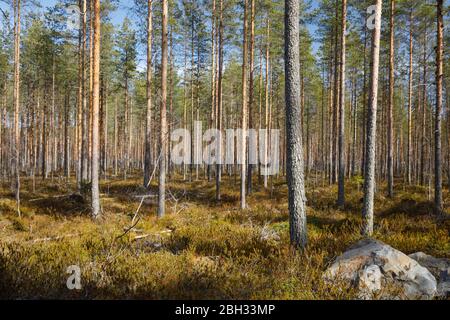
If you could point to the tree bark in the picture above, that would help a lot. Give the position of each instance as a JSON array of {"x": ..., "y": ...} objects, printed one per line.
[
  {"x": 295, "y": 165},
  {"x": 251, "y": 89},
  {"x": 95, "y": 112},
  {"x": 438, "y": 202},
  {"x": 369, "y": 172},
  {"x": 390, "y": 133},
  {"x": 267, "y": 102},
  {"x": 243, "y": 150},
  {"x": 341, "y": 184},
  {"x": 219, "y": 99},
  {"x": 148, "y": 123},
  {"x": 410, "y": 87},
  {"x": 15, "y": 163},
  {"x": 163, "y": 133}
]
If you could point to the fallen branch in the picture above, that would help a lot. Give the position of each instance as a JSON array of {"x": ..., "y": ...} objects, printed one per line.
[
  {"x": 54, "y": 238},
  {"x": 147, "y": 196},
  {"x": 54, "y": 197},
  {"x": 143, "y": 236}
]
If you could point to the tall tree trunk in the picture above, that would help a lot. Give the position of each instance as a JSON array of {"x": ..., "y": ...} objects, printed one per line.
[
  {"x": 126, "y": 129},
  {"x": 390, "y": 133},
  {"x": 191, "y": 166},
  {"x": 79, "y": 131},
  {"x": 219, "y": 100},
  {"x": 95, "y": 112},
  {"x": 369, "y": 172},
  {"x": 53, "y": 124},
  {"x": 171, "y": 116},
  {"x": 148, "y": 123},
  {"x": 243, "y": 150},
  {"x": 185, "y": 92},
  {"x": 260, "y": 89},
  {"x": 336, "y": 96},
  {"x": 330, "y": 113},
  {"x": 410, "y": 97},
  {"x": 66, "y": 135},
  {"x": 438, "y": 202},
  {"x": 267, "y": 102},
  {"x": 213, "y": 74},
  {"x": 341, "y": 184},
  {"x": 424, "y": 110},
  {"x": 91, "y": 86},
  {"x": 84, "y": 123},
  {"x": 163, "y": 133},
  {"x": 364, "y": 111},
  {"x": 116, "y": 140},
  {"x": 251, "y": 90},
  {"x": 295, "y": 165},
  {"x": 355, "y": 125},
  {"x": 16, "y": 155}
]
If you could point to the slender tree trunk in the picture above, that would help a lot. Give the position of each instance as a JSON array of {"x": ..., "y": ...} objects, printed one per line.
[
  {"x": 84, "y": 123},
  {"x": 95, "y": 112},
  {"x": 191, "y": 166},
  {"x": 260, "y": 108},
  {"x": 53, "y": 140},
  {"x": 126, "y": 130},
  {"x": 364, "y": 111},
  {"x": 66, "y": 135},
  {"x": 410, "y": 97},
  {"x": 295, "y": 165},
  {"x": 424, "y": 110},
  {"x": 267, "y": 103},
  {"x": 341, "y": 184},
  {"x": 336, "y": 96},
  {"x": 16, "y": 155},
  {"x": 185, "y": 123},
  {"x": 130, "y": 138},
  {"x": 2, "y": 126},
  {"x": 369, "y": 172},
  {"x": 148, "y": 123},
  {"x": 80, "y": 100},
  {"x": 163, "y": 133},
  {"x": 243, "y": 150},
  {"x": 251, "y": 90},
  {"x": 438, "y": 202},
  {"x": 390, "y": 133},
  {"x": 105, "y": 134},
  {"x": 219, "y": 100},
  {"x": 171, "y": 116},
  {"x": 116, "y": 140},
  {"x": 213, "y": 75},
  {"x": 355, "y": 124},
  {"x": 91, "y": 86},
  {"x": 330, "y": 112}
]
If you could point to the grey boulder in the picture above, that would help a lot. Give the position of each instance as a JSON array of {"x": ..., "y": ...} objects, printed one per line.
[
  {"x": 439, "y": 267},
  {"x": 379, "y": 271}
]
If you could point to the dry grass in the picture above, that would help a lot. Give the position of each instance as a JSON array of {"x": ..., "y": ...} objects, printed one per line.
[{"x": 201, "y": 249}]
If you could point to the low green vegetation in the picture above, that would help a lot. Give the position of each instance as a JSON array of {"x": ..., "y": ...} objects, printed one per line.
[{"x": 201, "y": 249}]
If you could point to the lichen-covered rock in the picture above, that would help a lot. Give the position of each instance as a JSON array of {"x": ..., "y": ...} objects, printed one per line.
[
  {"x": 439, "y": 267},
  {"x": 380, "y": 271}
]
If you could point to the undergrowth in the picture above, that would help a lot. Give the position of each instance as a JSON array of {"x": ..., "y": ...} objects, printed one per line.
[{"x": 202, "y": 249}]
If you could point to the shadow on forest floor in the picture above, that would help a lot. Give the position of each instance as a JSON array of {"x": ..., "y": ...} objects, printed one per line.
[{"x": 409, "y": 207}]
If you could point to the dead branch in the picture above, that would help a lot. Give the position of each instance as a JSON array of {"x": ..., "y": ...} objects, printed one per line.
[{"x": 54, "y": 238}]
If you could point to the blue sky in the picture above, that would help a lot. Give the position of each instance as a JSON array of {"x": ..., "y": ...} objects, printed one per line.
[{"x": 125, "y": 5}]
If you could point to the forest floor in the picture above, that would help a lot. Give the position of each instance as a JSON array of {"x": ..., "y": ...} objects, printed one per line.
[{"x": 201, "y": 249}]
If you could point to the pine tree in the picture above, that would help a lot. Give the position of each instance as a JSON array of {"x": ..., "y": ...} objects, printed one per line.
[
  {"x": 369, "y": 172},
  {"x": 295, "y": 165}
]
